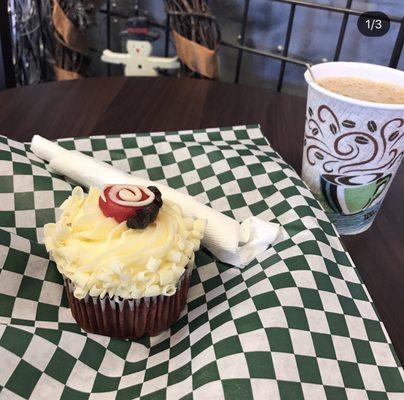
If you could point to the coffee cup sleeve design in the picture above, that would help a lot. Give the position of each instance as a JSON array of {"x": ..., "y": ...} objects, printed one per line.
[
  {"x": 381, "y": 187},
  {"x": 347, "y": 150},
  {"x": 352, "y": 194}
]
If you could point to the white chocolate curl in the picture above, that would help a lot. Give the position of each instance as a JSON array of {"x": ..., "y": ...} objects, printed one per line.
[
  {"x": 231, "y": 242},
  {"x": 129, "y": 195}
]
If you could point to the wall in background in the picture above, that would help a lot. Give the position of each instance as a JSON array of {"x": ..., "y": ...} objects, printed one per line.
[
  {"x": 314, "y": 37},
  {"x": 2, "y": 77}
]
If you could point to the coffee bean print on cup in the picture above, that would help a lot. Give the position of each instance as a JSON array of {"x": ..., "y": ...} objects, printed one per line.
[
  {"x": 342, "y": 148},
  {"x": 372, "y": 126}
]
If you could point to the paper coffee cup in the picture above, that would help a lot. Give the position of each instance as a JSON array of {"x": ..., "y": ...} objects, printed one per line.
[{"x": 352, "y": 148}]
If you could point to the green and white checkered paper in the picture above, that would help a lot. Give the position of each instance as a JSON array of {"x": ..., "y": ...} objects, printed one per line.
[{"x": 296, "y": 323}]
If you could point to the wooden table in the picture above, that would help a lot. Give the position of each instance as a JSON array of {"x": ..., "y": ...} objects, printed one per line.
[{"x": 118, "y": 105}]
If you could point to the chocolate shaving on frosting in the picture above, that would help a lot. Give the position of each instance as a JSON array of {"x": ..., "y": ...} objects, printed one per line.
[{"x": 148, "y": 214}]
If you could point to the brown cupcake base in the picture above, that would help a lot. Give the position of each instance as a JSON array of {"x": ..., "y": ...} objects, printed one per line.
[{"x": 129, "y": 319}]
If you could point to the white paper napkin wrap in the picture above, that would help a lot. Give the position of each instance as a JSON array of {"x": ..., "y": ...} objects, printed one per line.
[{"x": 231, "y": 242}]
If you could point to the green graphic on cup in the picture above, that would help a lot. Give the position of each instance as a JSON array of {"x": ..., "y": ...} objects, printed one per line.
[{"x": 352, "y": 194}]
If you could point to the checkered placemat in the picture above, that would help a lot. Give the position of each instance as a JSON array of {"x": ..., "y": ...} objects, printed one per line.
[{"x": 296, "y": 323}]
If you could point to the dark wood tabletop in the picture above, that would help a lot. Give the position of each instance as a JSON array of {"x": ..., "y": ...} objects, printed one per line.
[{"x": 118, "y": 105}]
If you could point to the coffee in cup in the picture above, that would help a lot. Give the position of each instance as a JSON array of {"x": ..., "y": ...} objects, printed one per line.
[{"x": 364, "y": 89}]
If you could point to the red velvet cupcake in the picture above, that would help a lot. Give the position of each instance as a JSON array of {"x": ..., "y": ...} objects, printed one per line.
[{"x": 126, "y": 256}]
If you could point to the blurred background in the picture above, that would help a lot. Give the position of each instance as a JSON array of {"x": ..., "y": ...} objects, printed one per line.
[{"x": 45, "y": 40}]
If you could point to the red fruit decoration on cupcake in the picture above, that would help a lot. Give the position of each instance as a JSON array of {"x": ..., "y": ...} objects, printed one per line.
[{"x": 137, "y": 205}]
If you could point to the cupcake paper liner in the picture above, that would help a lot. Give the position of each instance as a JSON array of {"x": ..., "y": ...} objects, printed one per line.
[{"x": 129, "y": 318}]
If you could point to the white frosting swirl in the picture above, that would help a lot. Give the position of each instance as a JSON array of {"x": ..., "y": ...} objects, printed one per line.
[
  {"x": 129, "y": 195},
  {"x": 103, "y": 257}
]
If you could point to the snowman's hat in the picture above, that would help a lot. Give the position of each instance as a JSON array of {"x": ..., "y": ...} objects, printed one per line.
[{"x": 138, "y": 28}]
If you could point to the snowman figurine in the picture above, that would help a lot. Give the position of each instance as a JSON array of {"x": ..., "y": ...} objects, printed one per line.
[{"x": 138, "y": 60}]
